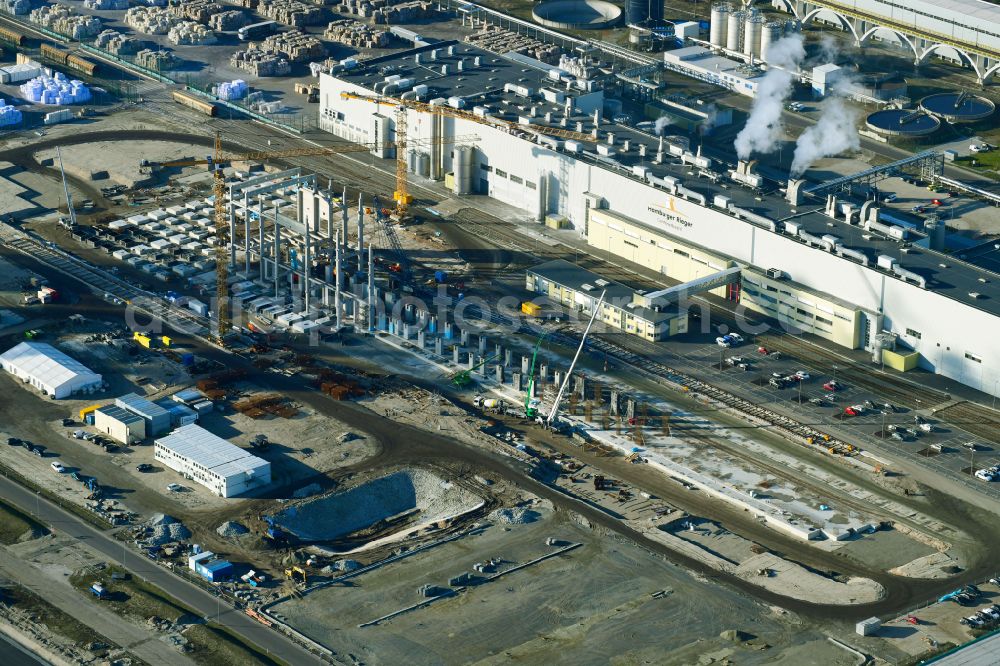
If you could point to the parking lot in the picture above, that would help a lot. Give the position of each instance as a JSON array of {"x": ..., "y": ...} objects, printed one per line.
[{"x": 943, "y": 449}]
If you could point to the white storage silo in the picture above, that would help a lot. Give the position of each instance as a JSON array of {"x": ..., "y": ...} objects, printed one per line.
[
  {"x": 411, "y": 160},
  {"x": 719, "y": 25},
  {"x": 463, "y": 163},
  {"x": 734, "y": 30},
  {"x": 424, "y": 165},
  {"x": 770, "y": 34},
  {"x": 751, "y": 33}
]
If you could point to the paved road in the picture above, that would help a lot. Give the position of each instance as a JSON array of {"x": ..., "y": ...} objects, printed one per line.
[
  {"x": 187, "y": 593},
  {"x": 60, "y": 594},
  {"x": 12, "y": 654}
]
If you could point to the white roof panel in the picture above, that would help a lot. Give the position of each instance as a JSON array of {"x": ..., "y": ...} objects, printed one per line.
[
  {"x": 211, "y": 451},
  {"x": 47, "y": 365}
]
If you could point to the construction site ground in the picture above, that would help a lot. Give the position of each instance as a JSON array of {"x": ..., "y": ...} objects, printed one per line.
[{"x": 606, "y": 599}]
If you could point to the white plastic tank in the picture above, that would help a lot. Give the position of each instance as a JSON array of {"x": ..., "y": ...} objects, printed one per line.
[
  {"x": 771, "y": 33},
  {"x": 717, "y": 29},
  {"x": 751, "y": 33},
  {"x": 734, "y": 32}
]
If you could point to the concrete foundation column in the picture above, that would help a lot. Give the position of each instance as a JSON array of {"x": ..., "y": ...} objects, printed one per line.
[
  {"x": 499, "y": 373},
  {"x": 516, "y": 381},
  {"x": 454, "y": 354},
  {"x": 525, "y": 365},
  {"x": 580, "y": 386},
  {"x": 464, "y": 336},
  {"x": 421, "y": 339},
  {"x": 558, "y": 377},
  {"x": 439, "y": 346},
  {"x": 482, "y": 345},
  {"x": 508, "y": 357}
]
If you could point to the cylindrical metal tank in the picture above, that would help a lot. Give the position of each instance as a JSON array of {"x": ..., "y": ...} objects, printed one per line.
[
  {"x": 411, "y": 160},
  {"x": 717, "y": 29},
  {"x": 936, "y": 231},
  {"x": 734, "y": 30},
  {"x": 751, "y": 33},
  {"x": 655, "y": 11},
  {"x": 424, "y": 165},
  {"x": 463, "y": 164},
  {"x": 770, "y": 34},
  {"x": 637, "y": 11}
]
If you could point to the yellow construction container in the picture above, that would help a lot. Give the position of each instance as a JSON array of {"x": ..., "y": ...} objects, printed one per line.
[
  {"x": 531, "y": 309},
  {"x": 556, "y": 222},
  {"x": 143, "y": 340},
  {"x": 87, "y": 410},
  {"x": 449, "y": 182},
  {"x": 405, "y": 199},
  {"x": 166, "y": 340},
  {"x": 900, "y": 361}
]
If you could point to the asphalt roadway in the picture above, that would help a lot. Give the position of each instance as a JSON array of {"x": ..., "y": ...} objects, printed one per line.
[{"x": 204, "y": 603}]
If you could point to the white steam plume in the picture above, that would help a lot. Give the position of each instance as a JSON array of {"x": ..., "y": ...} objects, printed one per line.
[
  {"x": 834, "y": 132},
  {"x": 661, "y": 124},
  {"x": 763, "y": 129}
]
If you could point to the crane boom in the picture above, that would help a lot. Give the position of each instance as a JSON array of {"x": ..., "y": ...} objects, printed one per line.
[
  {"x": 69, "y": 199},
  {"x": 530, "y": 403},
  {"x": 569, "y": 373}
]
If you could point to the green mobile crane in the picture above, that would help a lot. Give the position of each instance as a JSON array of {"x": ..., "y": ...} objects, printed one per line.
[
  {"x": 531, "y": 403},
  {"x": 463, "y": 378}
]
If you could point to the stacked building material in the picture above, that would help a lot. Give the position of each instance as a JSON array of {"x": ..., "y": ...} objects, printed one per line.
[
  {"x": 261, "y": 63},
  {"x": 150, "y": 20},
  {"x": 292, "y": 12},
  {"x": 496, "y": 39},
  {"x": 17, "y": 7},
  {"x": 389, "y": 11},
  {"x": 232, "y": 90},
  {"x": 115, "y": 42},
  {"x": 106, "y": 4},
  {"x": 227, "y": 21},
  {"x": 195, "y": 10},
  {"x": 189, "y": 33},
  {"x": 295, "y": 45},
  {"x": 157, "y": 60},
  {"x": 65, "y": 21},
  {"x": 57, "y": 89},
  {"x": 357, "y": 34},
  {"x": 8, "y": 115}
]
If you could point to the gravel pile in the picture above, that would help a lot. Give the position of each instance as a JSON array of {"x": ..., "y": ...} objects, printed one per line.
[
  {"x": 230, "y": 529},
  {"x": 163, "y": 534},
  {"x": 414, "y": 491},
  {"x": 519, "y": 515},
  {"x": 160, "y": 519}
]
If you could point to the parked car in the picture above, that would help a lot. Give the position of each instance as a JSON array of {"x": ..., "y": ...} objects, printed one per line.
[
  {"x": 174, "y": 487},
  {"x": 889, "y": 198},
  {"x": 979, "y": 148},
  {"x": 144, "y": 467},
  {"x": 58, "y": 466},
  {"x": 984, "y": 475},
  {"x": 803, "y": 375},
  {"x": 832, "y": 385},
  {"x": 13, "y": 441}
]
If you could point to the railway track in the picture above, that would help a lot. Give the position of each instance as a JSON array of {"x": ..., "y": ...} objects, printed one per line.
[
  {"x": 895, "y": 390},
  {"x": 974, "y": 419}
]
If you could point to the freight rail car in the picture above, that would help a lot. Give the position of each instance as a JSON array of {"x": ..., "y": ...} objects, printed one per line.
[
  {"x": 10, "y": 36},
  {"x": 195, "y": 103}
]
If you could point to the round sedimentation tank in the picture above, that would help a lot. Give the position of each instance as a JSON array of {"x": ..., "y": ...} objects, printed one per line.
[
  {"x": 769, "y": 35},
  {"x": 577, "y": 14},
  {"x": 719, "y": 26},
  {"x": 751, "y": 33},
  {"x": 902, "y": 123},
  {"x": 958, "y": 107},
  {"x": 734, "y": 30},
  {"x": 462, "y": 161}
]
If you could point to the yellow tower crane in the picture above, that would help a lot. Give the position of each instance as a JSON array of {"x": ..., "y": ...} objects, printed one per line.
[
  {"x": 401, "y": 195},
  {"x": 216, "y": 163}
]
